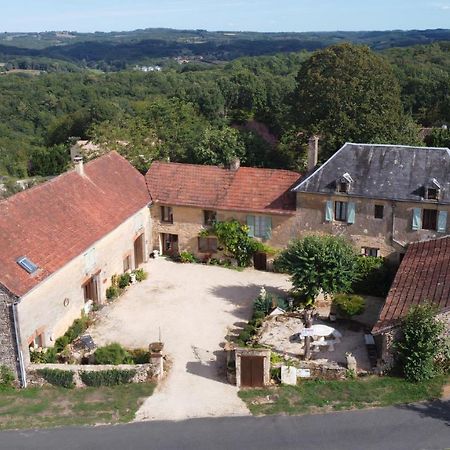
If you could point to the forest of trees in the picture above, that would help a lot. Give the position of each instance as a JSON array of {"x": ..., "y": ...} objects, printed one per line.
[{"x": 208, "y": 114}]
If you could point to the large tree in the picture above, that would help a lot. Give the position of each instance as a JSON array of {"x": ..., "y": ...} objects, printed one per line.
[
  {"x": 319, "y": 263},
  {"x": 348, "y": 93}
]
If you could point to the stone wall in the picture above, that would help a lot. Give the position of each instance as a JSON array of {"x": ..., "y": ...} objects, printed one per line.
[
  {"x": 366, "y": 231},
  {"x": 188, "y": 222},
  {"x": 144, "y": 372},
  {"x": 50, "y": 308},
  {"x": 8, "y": 353}
]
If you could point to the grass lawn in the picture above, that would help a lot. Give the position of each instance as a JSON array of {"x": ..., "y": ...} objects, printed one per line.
[
  {"x": 53, "y": 406},
  {"x": 316, "y": 396}
]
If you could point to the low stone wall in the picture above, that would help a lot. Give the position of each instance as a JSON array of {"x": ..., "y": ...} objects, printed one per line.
[
  {"x": 144, "y": 372},
  {"x": 323, "y": 371}
]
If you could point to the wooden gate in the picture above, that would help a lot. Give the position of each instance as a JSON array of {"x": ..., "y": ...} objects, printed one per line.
[
  {"x": 252, "y": 371},
  {"x": 138, "y": 251},
  {"x": 260, "y": 261}
]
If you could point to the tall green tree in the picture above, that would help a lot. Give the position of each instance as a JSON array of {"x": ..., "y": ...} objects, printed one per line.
[
  {"x": 348, "y": 93},
  {"x": 319, "y": 263}
]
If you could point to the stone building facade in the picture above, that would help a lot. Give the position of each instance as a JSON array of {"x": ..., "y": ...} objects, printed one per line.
[{"x": 61, "y": 242}]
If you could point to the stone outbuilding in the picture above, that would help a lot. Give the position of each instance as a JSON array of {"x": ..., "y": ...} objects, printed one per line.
[{"x": 61, "y": 242}]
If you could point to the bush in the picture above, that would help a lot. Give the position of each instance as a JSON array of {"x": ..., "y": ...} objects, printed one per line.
[
  {"x": 61, "y": 343},
  {"x": 422, "y": 343},
  {"x": 187, "y": 257},
  {"x": 268, "y": 303},
  {"x": 48, "y": 356},
  {"x": 349, "y": 305},
  {"x": 111, "y": 354},
  {"x": 139, "y": 356},
  {"x": 56, "y": 377},
  {"x": 113, "y": 292},
  {"x": 78, "y": 327},
  {"x": 140, "y": 274},
  {"x": 374, "y": 276},
  {"x": 6, "y": 377},
  {"x": 124, "y": 280},
  {"x": 111, "y": 377}
]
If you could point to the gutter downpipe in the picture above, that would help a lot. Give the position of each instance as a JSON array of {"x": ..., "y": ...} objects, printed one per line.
[{"x": 23, "y": 374}]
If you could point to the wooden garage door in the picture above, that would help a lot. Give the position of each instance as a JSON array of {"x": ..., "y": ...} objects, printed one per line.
[{"x": 252, "y": 371}]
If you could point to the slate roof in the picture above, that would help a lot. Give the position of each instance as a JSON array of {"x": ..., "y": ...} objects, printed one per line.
[
  {"x": 211, "y": 187},
  {"x": 424, "y": 275},
  {"x": 56, "y": 221},
  {"x": 391, "y": 172}
]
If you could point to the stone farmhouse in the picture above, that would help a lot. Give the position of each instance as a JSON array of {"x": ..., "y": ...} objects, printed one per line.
[
  {"x": 423, "y": 276},
  {"x": 187, "y": 199},
  {"x": 60, "y": 244},
  {"x": 62, "y": 241},
  {"x": 381, "y": 197}
]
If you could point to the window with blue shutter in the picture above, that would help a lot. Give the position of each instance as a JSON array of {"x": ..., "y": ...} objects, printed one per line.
[
  {"x": 329, "y": 211},
  {"x": 442, "y": 222},
  {"x": 267, "y": 227},
  {"x": 351, "y": 212},
  {"x": 417, "y": 219},
  {"x": 251, "y": 225}
]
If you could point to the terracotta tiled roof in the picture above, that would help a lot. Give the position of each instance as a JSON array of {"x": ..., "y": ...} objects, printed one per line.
[
  {"x": 58, "y": 220},
  {"x": 212, "y": 187},
  {"x": 424, "y": 275}
]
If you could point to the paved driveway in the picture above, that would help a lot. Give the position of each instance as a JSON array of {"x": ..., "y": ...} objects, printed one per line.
[{"x": 192, "y": 307}]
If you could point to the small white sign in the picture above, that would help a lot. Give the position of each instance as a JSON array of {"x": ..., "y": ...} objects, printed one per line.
[
  {"x": 307, "y": 332},
  {"x": 303, "y": 373}
]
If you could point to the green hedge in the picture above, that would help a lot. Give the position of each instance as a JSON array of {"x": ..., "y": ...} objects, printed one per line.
[
  {"x": 349, "y": 305},
  {"x": 78, "y": 327},
  {"x": 375, "y": 276},
  {"x": 112, "y": 354},
  {"x": 62, "y": 378},
  {"x": 111, "y": 377}
]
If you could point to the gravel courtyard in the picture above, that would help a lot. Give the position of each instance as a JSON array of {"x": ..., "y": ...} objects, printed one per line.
[{"x": 192, "y": 307}]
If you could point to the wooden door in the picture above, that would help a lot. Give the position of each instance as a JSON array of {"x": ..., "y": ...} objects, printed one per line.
[
  {"x": 138, "y": 251},
  {"x": 260, "y": 261},
  {"x": 252, "y": 371},
  {"x": 170, "y": 244}
]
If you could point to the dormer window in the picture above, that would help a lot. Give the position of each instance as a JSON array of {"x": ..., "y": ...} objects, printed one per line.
[
  {"x": 343, "y": 184},
  {"x": 432, "y": 190}
]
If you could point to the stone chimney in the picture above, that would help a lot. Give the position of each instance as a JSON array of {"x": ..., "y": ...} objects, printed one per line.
[
  {"x": 313, "y": 151},
  {"x": 79, "y": 167},
  {"x": 235, "y": 164}
]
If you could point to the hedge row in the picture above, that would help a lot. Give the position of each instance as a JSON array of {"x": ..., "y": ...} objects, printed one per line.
[{"x": 111, "y": 377}]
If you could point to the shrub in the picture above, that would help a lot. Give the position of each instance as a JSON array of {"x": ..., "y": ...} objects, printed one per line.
[
  {"x": 61, "y": 343},
  {"x": 422, "y": 344},
  {"x": 111, "y": 377},
  {"x": 111, "y": 354},
  {"x": 140, "y": 274},
  {"x": 268, "y": 303},
  {"x": 234, "y": 237},
  {"x": 139, "y": 356},
  {"x": 124, "y": 280},
  {"x": 56, "y": 377},
  {"x": 374, "y": 276},
  {"x": 6, "y": 377},
  {"x": 78, "y": 327},
  {"x": 112, "y": 292},
  {"x": 187, "y": 257},
  {"x": 48, "y": 356},
  {"x": 349, "y": 305}
]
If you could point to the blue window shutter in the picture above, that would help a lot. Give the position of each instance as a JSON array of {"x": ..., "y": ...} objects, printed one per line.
[
  {"x": 251, "y": 225},
  {"x": 267, "y": 227},
  {"x": 417, "y": 219},
  {"x": 329, "y": 211},
  {"x": 442, "y": 222},
  {"x": 351, "y": 209}
]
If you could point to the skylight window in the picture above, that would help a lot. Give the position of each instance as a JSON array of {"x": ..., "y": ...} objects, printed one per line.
[{"x": 27, "y": 265}]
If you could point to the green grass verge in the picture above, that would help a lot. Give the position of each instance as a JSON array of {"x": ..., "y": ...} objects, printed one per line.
[
  {"x": 52, "y": 406},
  {"x": 315, "y": 396}
]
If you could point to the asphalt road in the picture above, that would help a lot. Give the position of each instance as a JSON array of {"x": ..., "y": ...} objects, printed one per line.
[{"x": 408, "y": 427}]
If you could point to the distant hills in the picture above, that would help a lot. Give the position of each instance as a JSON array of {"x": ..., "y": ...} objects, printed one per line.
[{"x": 118, "y": 49}]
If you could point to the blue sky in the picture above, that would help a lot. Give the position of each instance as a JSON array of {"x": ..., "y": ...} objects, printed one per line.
[{"x": 256, "y": 15}]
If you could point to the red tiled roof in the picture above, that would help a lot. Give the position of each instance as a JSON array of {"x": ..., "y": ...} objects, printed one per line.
[
  {"x": 246, "y": 189},
  {"x": 56, "y": 221},
  {"x": 424, "y": 275}
]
